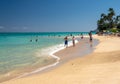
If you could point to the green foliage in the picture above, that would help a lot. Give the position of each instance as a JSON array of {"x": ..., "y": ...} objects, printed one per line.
[
  {"x": 109, "y": 21},
  {"x": 114, "y": 30}
]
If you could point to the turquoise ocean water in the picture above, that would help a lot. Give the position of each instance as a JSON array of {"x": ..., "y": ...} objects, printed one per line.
[{"x": 22, "y": 52}]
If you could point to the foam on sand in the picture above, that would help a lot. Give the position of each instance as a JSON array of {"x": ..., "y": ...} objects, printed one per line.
[{"x": 51, "y": 51}]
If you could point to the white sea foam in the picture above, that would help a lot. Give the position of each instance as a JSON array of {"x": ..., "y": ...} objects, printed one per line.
[{"x": 51, "y": 52}]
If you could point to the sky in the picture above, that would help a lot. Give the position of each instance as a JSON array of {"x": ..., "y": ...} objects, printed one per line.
[{"x": 53, "y": 15}]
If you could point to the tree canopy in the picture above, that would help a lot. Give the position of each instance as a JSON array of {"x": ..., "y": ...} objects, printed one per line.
[{"x": 109, "y": 22}]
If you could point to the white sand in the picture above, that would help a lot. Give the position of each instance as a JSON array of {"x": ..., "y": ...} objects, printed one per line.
[{"x": 100, "y": 67}]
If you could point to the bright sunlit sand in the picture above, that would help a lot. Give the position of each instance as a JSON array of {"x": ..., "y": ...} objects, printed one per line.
[
  {"x": 99, "y": 67},
  {"x": 59, "y": 42}
]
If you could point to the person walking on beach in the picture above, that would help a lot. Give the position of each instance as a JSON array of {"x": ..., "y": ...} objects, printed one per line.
[
  {"x": 66, "y": 41},
  {"x": 90, "y": 35},
  {"x": 73, "y": 40}
]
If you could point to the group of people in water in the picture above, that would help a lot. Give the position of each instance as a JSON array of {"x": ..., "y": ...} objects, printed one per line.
[
  {"x": 73, "y": 39},
  {"x": 66, "y": 41},
  {"x": 36, "y": 40}
]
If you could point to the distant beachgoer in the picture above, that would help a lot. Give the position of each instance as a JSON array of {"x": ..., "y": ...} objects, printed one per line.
[
  {"x": 81, "y": 36},
  {"x": 36, "y": 40},
  {"x": 66, "y": 41},
  {"x": 73, "y": 40},
  {"x": 90, "y": 35},
  {"x": 31, "y": 40}
]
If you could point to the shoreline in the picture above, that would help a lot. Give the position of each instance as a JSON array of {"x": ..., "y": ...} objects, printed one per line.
[
  {"x": 52, "y": 54},
  {"x": 50, "y": 66},
  {"x": 99, "y": 67},
  {"x": 41, "y": 69}
]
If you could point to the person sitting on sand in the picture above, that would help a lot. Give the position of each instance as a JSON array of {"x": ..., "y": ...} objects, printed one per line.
[{"x": 66, "y": 41}]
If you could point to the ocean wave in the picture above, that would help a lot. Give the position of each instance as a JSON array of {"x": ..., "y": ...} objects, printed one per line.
[{"x": 50, "y": 51}]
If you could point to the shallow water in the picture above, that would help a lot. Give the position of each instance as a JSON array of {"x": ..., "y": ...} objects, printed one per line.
[{"x": 22, "y": 52}]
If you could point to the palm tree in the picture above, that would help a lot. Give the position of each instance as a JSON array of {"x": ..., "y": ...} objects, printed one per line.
[
  {"x": 110, "y": 17},
  {"x": 102, "y": 15},
  {"x": 117, "y": 21},
  {"x": 108, "y": 21},
  {"x": 101, "y": 24}
]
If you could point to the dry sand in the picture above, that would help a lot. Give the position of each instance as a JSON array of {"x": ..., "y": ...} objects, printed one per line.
[{"x": 100, "y": 67}]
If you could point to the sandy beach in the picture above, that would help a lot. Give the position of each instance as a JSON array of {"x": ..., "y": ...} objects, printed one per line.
[{"x": 99, "y": 67}]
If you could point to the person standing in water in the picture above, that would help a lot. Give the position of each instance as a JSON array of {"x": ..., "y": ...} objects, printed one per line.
[
  {"x": 36, "y": 39},
  {"x": 81, "y": 36},
  {"x": 73, "y": 40},
  {"x": 66, "y": 41}
]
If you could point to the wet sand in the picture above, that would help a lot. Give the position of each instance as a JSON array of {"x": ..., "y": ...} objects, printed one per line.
[
  {"x": 99, "y": 67},
  {"x": 82, "y": 48}
]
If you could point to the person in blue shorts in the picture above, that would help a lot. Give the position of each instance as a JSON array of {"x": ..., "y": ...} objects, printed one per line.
[{"x": 66, "y": 41}]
